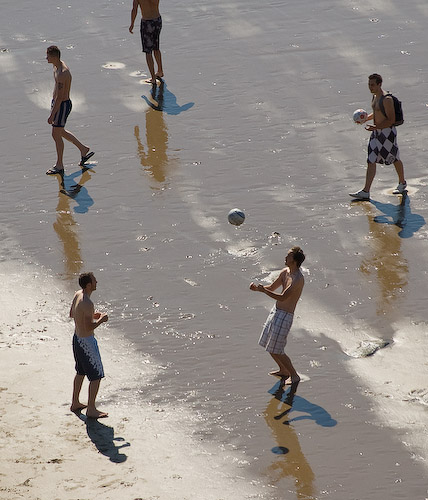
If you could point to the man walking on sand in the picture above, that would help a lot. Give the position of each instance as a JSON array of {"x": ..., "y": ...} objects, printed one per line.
[
  {"x": 382, "y": 146},
  {"x": 280, "y": 319},
  {"x": 85, "y": 347},
  {"x": 150, "y": 28},
  {"x": 60, "y": 109}
]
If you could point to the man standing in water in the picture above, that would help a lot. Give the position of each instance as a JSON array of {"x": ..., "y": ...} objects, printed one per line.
[
  {"x": 85, "y": 347},
  {"x": 150, "y": 28},
  {"x": 60, "y": 109},
  {"x": 280, "y": 319},
  {"x": 383, "y": 139}
]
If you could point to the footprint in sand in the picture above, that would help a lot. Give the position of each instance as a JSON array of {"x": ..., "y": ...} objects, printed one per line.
[
  {"x": 419, "y": 396},
  {"x": 113, "y": 65},
  {"x": 138, "y": 74},
  {"x": 411, "y": 190},
  {"x": 190, "y": 282}
]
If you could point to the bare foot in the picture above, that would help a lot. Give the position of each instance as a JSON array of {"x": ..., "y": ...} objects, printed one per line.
[
  {"x": 96, "y": 414},
  {"x": 78, "y": 407},
  {"x": 292, "y": 380},
  {"x": 84, "y": 151},
  {"x": 277, "y": 373},
  {"x": 55, "y": 170}
]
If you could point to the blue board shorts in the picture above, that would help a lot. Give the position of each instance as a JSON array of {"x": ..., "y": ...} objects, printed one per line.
[
  {"x": 150, "y": 32},
  {"x": 87, "y": 357},
  {"x": 61, "y": 115}
]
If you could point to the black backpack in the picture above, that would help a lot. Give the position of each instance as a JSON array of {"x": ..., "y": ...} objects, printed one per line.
[{"x": 398, "y": 108}]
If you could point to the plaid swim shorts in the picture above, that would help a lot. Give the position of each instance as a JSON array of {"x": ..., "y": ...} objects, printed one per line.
[{"x": 275, "y": 331}]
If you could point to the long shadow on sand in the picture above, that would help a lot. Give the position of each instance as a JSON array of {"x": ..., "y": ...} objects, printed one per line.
[
  {"x": 298, "y": 404},
  {"x": 103, "y": 438},
  {"x": 162, "y": 99},
  {"x": 77, "y": 191},
  {"x": 400, "y": 215}
]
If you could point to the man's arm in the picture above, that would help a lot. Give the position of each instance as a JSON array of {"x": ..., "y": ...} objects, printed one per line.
[
  {"x": 59, "y": 94},
  {"x": 389, "y": 120},
  {"x": 89, "y": 316},
  {"x": 273, "y": 286},
  {"x": 72, "y": 305},
  {"x": 294, "y": 287},
  {"x": 133, "y": 15},
  {"x": 277, "y": 283}
]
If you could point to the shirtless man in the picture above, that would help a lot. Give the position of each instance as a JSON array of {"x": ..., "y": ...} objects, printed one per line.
[
  {"x": 60, "y": 109},
  {"x": 150, "y": 28},
  {"x": 280, "y": 319},
  {"x": 382, "y": 146},
  {"x": 85, "y": 347}
]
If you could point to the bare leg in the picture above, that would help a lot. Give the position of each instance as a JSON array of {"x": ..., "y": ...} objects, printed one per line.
[
  {"x": 400, "y": 171},
  {"x": 59, "y": 144},
  {"x": 151, "y": 66},
  {"x": 76, "y": 405},
  {"x": 370, "y": 175},
  {"x": 282, "y": 372},
  {"x": 92, "y": 412},
  {"x": 59, "y": 134},
  {"x": 73, "y": 139},
  {"x": 286, "y": 367},
  {"x": 158, "y": 57}
]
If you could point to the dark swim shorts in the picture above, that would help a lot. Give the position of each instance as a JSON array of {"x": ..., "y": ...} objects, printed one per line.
[
  {"x": 62, "y": 114},
  {"x": 87, "y": 357},
  {"x": 150, "y": 31}
]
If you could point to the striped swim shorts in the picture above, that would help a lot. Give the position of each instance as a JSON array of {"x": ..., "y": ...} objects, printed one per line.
[
  {"x": 62, "y": 114},
  {"x": 87, "y": 357},
  {"x": 275, "y": 331}
]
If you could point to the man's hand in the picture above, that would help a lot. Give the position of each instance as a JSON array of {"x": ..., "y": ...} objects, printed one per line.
[
  {"x": 50, "y": 120},
  {"x": 257, "y": 288},
  {"x": 103, "y": 317},
  {"x": 131, "y": 28}
]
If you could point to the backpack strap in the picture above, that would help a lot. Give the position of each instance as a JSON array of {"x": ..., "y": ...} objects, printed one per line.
[{"x": 381, "y": 105}]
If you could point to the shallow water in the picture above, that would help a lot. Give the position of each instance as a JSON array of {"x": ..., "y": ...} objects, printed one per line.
[{"x": 256, "y": 114}]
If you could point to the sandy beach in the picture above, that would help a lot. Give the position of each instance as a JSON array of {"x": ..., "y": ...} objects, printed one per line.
[
  {"x": 255, "y": 113},
  {"x": 143, "y": 450}
]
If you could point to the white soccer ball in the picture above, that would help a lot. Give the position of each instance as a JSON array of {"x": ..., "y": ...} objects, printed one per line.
[
  {"x": 360, "y": 116},
  {"x": 236, "y": 217}
]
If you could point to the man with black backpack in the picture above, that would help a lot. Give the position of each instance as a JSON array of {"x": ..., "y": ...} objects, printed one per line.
[{"x": 387, "y": 115}]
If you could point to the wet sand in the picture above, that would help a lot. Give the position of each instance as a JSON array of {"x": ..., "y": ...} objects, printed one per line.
[{"x": 255, "y": 113}]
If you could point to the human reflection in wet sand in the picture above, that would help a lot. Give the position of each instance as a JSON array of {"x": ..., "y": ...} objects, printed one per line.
[
  {"x": 383, "y": 259},
  {"x": 291, "y": 461},
  {"x": 154, "y": 159},
  {"x": 65, "y": 225}
]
